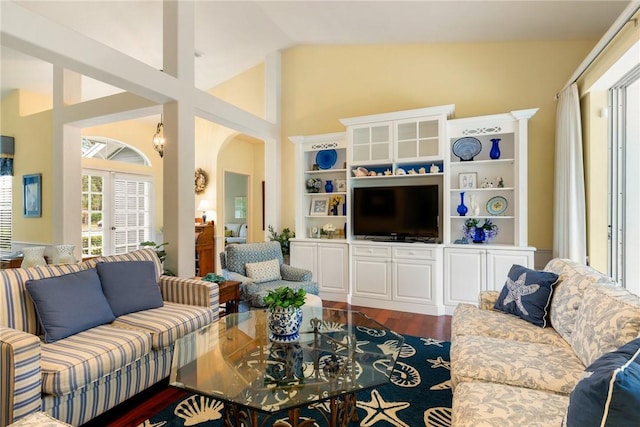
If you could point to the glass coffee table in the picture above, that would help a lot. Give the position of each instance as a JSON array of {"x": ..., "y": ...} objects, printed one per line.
[{"x": 340, "y": 352}]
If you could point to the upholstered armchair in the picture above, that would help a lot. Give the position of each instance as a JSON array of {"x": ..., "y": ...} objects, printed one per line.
[{"x": 260, "y": 268}]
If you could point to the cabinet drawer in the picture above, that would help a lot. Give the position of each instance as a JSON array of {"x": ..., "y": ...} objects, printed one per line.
[
  {"x": 414, "y": 253},
  {"x": 376, "y": 251}
]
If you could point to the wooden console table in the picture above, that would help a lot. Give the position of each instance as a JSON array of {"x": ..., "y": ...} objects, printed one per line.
[{"x": 229, "y": 295}]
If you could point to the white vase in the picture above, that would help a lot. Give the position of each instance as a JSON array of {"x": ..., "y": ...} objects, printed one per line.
[
  {"x": 63, "y": 254},
  {"x": 33, "y": 255}
]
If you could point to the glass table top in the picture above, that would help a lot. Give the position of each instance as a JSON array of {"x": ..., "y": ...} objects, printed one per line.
[{"x": 339, "y": 352}]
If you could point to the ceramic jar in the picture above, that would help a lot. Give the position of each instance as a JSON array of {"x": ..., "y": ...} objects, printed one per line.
[
  {"x": 33, "y": 256},
  {"x": 63, "y": 254},
  {"x": 284, "y": 324}
]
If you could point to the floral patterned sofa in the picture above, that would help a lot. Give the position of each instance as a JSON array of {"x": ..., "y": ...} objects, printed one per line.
[{"x": 508, "y": 372}]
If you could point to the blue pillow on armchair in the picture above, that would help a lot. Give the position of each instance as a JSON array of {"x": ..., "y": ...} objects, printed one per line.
[
  {"x": 527, "y": 294},
  {"x": 608, "y": 394},
  {"x": 130, "y": 286}
]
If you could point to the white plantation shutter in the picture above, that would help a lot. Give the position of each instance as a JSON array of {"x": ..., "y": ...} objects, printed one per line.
[
  {"x": 6, "y": 183},
  {"x": 131, "y": 213}
]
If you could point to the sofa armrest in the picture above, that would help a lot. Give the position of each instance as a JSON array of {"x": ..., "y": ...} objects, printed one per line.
[
  {"x": 295, "y": 274},
  {"x": 232, "y": 275},
  {"x": 20, "y": 379},
  {"x": 189, "y": 291},
  {"x": 488, "y": 299}
]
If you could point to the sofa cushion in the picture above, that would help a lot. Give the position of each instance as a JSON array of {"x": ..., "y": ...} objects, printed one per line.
[
  {"x": 167, "y": 323},
  {"x": 498, "y": 405},
  {"x": 129, "y": 286},
  {"x": 18, "y": 311},
  {"x": 86, "y": 357},
  {"x": 527, "y": 294},
  {"x": 568, "y": 293},
  {"x": 608, "y": 318},
  {"x": 530, "y": 365},
  {"x": 264, "y": 271},
  {"x": 608, "y": 394},
  {"x": 69, "y": 303},
  {"x": 471, "y": 320}
]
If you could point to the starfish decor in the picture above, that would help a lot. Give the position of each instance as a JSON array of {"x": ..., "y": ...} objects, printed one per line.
[{"x": 517, "y": 290}]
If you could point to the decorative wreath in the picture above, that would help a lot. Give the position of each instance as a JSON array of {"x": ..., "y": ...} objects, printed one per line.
[{"x": 201, "y": 180}]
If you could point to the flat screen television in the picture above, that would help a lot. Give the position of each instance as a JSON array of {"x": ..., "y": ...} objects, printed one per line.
[{"x": 396, "y": 213}]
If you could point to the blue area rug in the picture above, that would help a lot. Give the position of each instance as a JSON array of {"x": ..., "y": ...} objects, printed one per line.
[{"x": 419, "y": 395}]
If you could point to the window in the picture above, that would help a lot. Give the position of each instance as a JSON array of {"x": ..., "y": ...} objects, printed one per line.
[
  {"x": 624, "y": 191},
  {"x": 6, "y": 185}
]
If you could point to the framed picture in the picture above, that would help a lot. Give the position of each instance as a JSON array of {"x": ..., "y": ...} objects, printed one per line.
[
  {"x": 32, "y": 195},
  {"x": 341, "y": 185},
  {"x": 468, "y": 180},
  {"x": 319, "y": 206}
]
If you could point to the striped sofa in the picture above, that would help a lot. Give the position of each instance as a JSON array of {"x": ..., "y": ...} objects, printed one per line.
[{"x": 79, "y": 377}]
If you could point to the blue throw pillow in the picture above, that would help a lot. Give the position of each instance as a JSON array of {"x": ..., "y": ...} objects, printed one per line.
[
  {"x": 608, "y": 394},
  {"x": 130, "y": 286},
  {"x": 527, "y": 294},
  {"x": 69, "y": 304}
]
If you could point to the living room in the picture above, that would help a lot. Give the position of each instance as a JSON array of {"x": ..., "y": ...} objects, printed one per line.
[{"x": 318, "y": 85}]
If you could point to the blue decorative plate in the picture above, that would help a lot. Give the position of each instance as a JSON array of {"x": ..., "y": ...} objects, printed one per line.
[
  {"x": 326, "y": 158},
  {"x": 467, "y": 148},
  {"x": 497, "y": 205}
]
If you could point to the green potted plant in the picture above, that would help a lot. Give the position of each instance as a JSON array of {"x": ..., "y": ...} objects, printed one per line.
[
  {"x": 284, "y": 313},
  {"x": 283, "y": 239},
  {"x": 479, "y": 233}
]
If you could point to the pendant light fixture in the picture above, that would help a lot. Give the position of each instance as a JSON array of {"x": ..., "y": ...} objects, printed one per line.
[{"x": 158, "y": 138}]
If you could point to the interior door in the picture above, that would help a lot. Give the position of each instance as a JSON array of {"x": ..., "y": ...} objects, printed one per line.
[{"x": 116, "y": 210}]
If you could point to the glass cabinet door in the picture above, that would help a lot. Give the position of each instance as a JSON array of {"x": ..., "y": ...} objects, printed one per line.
[
  {"x": 371, "y": 143},
  {"x": 418, "y": 139}
]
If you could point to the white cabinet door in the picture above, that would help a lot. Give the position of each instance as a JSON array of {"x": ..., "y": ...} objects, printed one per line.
[
  {"x": 305, "y": 255},
  {"x": 333, "y": 274},
  {"x": 499, "y": 263},
  {"x": 464, "y": 275},
  {"x": 418, "y": 139},
  {"x": 414, "y": 280},
  {"x": 372, "y": 277}
]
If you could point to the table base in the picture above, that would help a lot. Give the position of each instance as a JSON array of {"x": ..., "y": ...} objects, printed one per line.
[{"x": 342, "y": 413}]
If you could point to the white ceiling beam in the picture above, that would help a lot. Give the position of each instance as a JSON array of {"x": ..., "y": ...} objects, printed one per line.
[
  {"x": 35, "y": 35},
  {"x": 218, "y": 111},
  {"x": 109, "y": 109}
]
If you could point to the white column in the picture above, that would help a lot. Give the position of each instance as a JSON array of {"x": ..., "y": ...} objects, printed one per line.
[
  {"x": 67, "y": 164},
  {"x": 179, "y": 127}
]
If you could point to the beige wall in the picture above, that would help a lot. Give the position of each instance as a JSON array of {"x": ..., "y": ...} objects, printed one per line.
[
  {"x": 322, "y": 84},
  {"x": 595, "y": 140},
  {"x": 32, "y": 133},
  {"x": 243, "y": 155}
]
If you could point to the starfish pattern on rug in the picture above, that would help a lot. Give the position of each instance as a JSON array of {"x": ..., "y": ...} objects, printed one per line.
[
  {"x": 380, "y": 410},
  {"x": 517, "y": 290},
  {"x": 439, "y": 362},
  {"x": 432, "y": 341}
]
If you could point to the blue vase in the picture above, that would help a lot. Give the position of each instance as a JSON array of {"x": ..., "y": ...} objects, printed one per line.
[
  {"x": 344, "y": 209},
  {"x": 479, "y": 236},
  {"x": 462, "y": 209},
  {"x": 495, "y": 149},
  {"x": 328, "y": 186}
]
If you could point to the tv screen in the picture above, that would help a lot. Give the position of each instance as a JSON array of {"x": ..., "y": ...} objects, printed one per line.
[{"x": 396, "y": 212}]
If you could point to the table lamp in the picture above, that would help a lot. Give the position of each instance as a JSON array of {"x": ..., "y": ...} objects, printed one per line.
[{"x": 204, "y": 206}]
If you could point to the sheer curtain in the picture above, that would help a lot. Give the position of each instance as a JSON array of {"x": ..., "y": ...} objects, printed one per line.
[{"x": 569, "y": 219}]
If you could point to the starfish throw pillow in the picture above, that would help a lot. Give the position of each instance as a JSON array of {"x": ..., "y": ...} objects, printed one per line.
[{"x": 527, "y": 294}]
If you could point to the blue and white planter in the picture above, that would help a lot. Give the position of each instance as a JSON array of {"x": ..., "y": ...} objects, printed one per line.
[{"x": 284, "y": 324}]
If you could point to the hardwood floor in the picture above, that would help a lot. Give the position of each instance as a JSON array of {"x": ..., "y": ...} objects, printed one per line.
[
  {"x": 139, "y": 408},
  {"x": 420, "y": 325}
]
